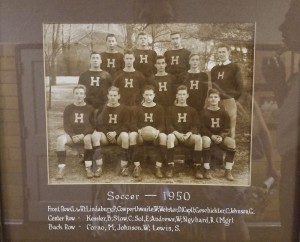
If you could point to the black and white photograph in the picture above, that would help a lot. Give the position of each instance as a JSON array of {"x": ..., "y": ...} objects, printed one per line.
[{"x": 149, "y": 103}]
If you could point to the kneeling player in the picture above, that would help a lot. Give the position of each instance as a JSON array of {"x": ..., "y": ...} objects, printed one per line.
[
  {"x": 216, "y": 129},
  {"x": 182, "y": 126},
  {"x": 78, "y": 127},
  {"x": 111, "y": 128},
  {"x": 150, "y": 124}
]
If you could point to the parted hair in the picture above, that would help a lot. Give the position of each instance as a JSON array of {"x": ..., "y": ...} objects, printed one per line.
[{"x": 79, "y": 86}]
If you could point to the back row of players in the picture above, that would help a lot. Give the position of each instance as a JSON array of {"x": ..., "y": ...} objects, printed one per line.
[{"x": 132, "y": 91}]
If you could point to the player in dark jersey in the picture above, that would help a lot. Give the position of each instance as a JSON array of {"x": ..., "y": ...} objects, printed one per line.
[
  {"x": 112, "y": 60},
  {"x": 96, "y": 82},
  {"x": 145, "y": 58},
  {"x": 215, "y": 130},
  {"x": 129, "y": 81},
  {"x": 182, "y": 128},
  {"x": 164, "y": 84},
  {"x": 78, "y": 127},
  {"x": 227, "y": 78},
  {"x": 151, "y": 114},
  {"x": 197, "y": 84},
  {"x": 177, "y": 58},
  {"x": 112, "y": 128}
]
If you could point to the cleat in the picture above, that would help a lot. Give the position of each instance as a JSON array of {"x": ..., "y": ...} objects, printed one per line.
[
  {"x": 137, "y": 171},
  {"x": 228, "y": 175},
  {"x": 198, "y": 173},
  {"x": 89, "y": 172},
  {"x": 158, "y": 172},
  {"x": 207, "y": 174},
  {"x": 170, "y": 171},
  {"x": 98, "y": 171},
  {"x": 60, "y": 173},
  {"x": 124, "y": 171}
]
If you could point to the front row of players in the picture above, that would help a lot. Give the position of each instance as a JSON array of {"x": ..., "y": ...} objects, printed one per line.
[{"x": 131, "y": 128}]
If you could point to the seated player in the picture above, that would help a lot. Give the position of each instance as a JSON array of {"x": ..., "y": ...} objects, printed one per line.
[
  {"x": 182, "y": 127},
  {"x": 216, "y": 130},
  {"x": 150, "y": 116},
  {"x": 78, "y": 127},
  {"x": 164, "y": 83},
  {"x": 111, "y": 128}
]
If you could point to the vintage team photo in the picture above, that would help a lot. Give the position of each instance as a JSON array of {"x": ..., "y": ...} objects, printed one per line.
[{"x": 149, "y": 103}]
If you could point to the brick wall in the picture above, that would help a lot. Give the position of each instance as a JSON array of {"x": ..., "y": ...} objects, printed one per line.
[{"x": 10, "y": 136}]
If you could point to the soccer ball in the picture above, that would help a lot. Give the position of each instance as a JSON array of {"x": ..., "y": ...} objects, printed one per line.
[{"x": 148, "y": 133}]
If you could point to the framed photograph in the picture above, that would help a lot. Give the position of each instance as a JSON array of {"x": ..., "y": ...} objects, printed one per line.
[
  {"x": 149, "y": 120},
  {"x": 69, "y": 50}
]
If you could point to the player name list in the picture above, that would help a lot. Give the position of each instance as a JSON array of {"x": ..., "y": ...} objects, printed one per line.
[{"x": 137, "y": 218}]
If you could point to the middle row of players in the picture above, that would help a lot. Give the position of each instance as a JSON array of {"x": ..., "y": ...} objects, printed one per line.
[{"x": 131, "y": 126}]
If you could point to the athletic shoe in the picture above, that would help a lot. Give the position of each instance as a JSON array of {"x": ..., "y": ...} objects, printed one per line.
[
  {"x": 228, "y": 175},
  {"x": 170, "y": 171},
  {"x": 137, "y": 171},
  {"x": 207, "y": 174},
  {"x": 98, "y": 171},
  {"x": 89, "y": 172},
  {"x": 124, "y": 171},
  {"x": 60, "y": 173},
  {"x": 158, "y": 172},
  {"x": 198, "y": 173}
]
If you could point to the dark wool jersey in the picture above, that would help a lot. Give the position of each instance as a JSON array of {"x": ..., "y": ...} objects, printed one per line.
[
  {"x": 131, "y": 85},
  {"x": 182, "y": 119},
  {"x": 215, "y": 122},
  {"x": 165, "y": 90},
  {"x": 177, "y": 61},
  {"x": 97, "y": 84},
  {"x": 144, "y": 61},
  {"x": 112, "y": 62},
  {"x": 150, "y": 116},
  {"x": 78, "y": 119},
  {"x": 197, "y": 84},
  {"x": 113, "y": 119},
  {"x": 228, "y": 80}
]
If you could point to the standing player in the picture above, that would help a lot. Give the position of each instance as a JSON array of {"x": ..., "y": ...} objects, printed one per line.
[
  {"x": 112, "y": 60},
  {"x": 78, "y": 127},
  {"x": 164, "y": 83},
  {"x": 215, "y": 130},
  {"x": 96, "y": 82},
  {"x": 227, "y": 77},
  {"x": 197, "y": 84},
  {"x": 182, "y": 128},
  {"x": 150, "y": 114},
  {"x": 177, "y": 58},
  {"x": 145, "y": 58},
  {"x": 129, "y": 81},
  {"x": 111, "y": 128}
]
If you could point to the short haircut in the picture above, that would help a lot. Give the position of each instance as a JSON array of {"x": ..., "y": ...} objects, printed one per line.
[
  {"x": 113, "y": 88},
  {"x": 128, "y": 52},
  {"x": 148, "y": 88},
  {"x": 222, "y": 45},
  {"x": 175, "y": 32},
  {"x": 110, "y": 35},
  {"x": 213, "y": 91},
  {"x": 79, "y": 86},
  {"x": 141, "y": 34},
  {"x": 95, "y": 53},
  {"x": 160, "y": 57},
  {"x": 193, "y": 54},
  {"x": 181, "y": 87}
]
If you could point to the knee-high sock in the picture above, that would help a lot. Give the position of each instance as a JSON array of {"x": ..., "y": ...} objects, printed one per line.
[
  {"x": 170, "y": 155},
  {"x": 61, "y": 157}
]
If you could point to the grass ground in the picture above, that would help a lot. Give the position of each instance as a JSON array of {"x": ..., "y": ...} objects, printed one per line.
[{"x": 75, "y": 173}]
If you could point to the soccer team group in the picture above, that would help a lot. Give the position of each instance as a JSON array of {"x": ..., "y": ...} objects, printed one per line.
[{"x": 138, "y": 97}]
